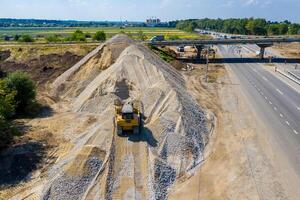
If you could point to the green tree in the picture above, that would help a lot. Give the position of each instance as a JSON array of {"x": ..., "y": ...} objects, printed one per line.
[
  {"x": 273, "y": 29},
  {"x": 78, "y": 35},
  {"x": 256, "y": 26},
  {"x": 283, "y": 29},
  {"x": 27, "y": 38},
  {"x": 99, "y": 36},
  {"x": 17, "y": 37},
  {"x": 7, "y": 102},
  {"x": 53, "y": 38},
  {"x": 25, "y": 91},
  {"x": 293, "y": 29}
]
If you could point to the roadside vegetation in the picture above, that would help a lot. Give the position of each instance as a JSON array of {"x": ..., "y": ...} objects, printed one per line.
[
  {"x": 17, "y": 99},
  {"x": 163, "y": 54},
  {"x": 87, "y": 34},
  {"x": 246, "y": 26}
]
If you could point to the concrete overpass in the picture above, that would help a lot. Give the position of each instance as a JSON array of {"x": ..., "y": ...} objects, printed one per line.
[{"x": 199, "y": 44}]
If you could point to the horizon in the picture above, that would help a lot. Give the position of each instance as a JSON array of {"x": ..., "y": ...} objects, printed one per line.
[
  {"x": 118, "y": 21},
  {"x": 136, "y": 11}
]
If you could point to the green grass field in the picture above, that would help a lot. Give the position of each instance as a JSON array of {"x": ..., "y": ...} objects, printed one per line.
[{"x": 41, "y": 33}]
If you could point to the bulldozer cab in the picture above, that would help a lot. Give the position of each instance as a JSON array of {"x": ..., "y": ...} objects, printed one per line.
[
  {"x": 127, "y": 118},
  {"x": 127, "y": 112}
]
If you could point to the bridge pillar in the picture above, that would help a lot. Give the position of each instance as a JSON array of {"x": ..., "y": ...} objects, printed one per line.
[
  {"x": 199, "y": 48},
  {"x": 263, "y": 49}
]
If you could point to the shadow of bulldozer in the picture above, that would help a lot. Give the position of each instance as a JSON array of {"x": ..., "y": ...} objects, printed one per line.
[{"x": 145, "y": 135}]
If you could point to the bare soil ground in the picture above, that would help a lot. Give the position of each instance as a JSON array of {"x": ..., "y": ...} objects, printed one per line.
[
  {"x": 44, "y": 63},
  {"x": 291, "y": 50},
  {"x": 239, "y": 163}
]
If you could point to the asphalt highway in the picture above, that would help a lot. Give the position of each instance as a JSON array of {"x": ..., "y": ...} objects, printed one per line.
[{"x": 276, "y": 103}]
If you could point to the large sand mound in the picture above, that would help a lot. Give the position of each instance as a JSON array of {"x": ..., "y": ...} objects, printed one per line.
[{"x": 103, "y": 166}]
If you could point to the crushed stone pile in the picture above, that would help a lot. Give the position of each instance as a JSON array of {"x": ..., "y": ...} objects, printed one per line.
[{"x": 101, "y": 165}]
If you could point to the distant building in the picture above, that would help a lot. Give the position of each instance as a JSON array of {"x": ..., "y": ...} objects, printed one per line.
[{"x": 153, "y": 21}]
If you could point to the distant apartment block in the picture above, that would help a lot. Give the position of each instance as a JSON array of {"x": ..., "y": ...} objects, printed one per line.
[{"x": 153, "y": 21}]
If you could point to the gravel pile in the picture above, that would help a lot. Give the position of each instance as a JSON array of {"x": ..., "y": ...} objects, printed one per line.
[
  {"x": 172, "y": 141},
  {"x": 69, "y": 187}
]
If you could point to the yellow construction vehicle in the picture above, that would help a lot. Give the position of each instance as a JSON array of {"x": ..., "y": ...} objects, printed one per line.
[{"x": 127, "y": 118}]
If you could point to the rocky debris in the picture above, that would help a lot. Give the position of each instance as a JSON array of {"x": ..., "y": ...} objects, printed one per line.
[{"x": 69, "y": 187}]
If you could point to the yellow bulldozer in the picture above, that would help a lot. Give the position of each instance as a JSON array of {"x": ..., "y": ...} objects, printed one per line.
[{"x": 127, "y": 117}]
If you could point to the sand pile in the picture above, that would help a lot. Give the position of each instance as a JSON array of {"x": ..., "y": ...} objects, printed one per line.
[
  {"x": 74, "y": 80},
  {"x": 101, "y": 165}
]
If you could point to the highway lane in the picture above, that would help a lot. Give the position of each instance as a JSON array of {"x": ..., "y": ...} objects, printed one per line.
[{"x": 276, "y": 103}]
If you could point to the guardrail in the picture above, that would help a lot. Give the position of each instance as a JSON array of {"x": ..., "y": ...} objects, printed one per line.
[
  {"x": 294, "y": 75},
  {"x": 224, "y": 41},
  {"x": 289, "y": 77}
]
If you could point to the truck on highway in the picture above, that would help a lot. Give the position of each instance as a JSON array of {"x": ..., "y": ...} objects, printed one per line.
[{"x": 157, "y": 38}]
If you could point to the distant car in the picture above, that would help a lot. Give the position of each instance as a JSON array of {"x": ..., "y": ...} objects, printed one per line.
[
  {"x": 157, "y": 38},
  {"x": 180, "y": 48}
]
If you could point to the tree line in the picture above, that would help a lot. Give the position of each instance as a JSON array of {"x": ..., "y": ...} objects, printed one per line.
[
  {"x": 77, "y": 36},
  {"x": 245, "y": 26}
]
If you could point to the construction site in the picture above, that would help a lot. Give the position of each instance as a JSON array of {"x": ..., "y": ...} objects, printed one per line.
[{"x": 186, "y": 142}]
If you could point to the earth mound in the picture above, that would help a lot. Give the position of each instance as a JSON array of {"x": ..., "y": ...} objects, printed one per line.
[{"x": 101, "y": 165}]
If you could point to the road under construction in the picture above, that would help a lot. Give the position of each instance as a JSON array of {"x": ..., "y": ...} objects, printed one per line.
[{"x": 263, "y": 43}]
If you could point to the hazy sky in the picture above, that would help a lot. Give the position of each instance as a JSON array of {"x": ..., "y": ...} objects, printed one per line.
[{"x": 139, "y": 10}]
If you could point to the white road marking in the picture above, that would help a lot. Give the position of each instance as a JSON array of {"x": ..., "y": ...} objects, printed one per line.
[
  {"x": 279, "y": 91},
  {"x": 288, "y": 123},
  {"x": 275, "y": 108},
  {"x": 298, "y": 108},
  {"x": 295, "y": 132},
  {"x": 266, "y": 98},
  {"x": 265, "y": 78},
  {"x": 270, "y": 102},
  {"x": 258, "y": 89},
  {"x": 281, "y": 115}
]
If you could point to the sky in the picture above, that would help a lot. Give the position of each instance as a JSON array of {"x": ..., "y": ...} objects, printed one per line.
[{"x": 139, "y": 10}]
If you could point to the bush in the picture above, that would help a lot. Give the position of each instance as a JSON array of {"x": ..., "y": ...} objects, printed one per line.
[
  {"x": 53, "y": 38},
  {"x": 26, "y": 38},
  {"x": 7, "y": 103},
  {"x": 25, "y": 90},
  {"x": 78, "y": 35},
  {"x": 100, "y": 36},
  {"x": 7, "y": 131},
  {"x": 17, "y": 37}
]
